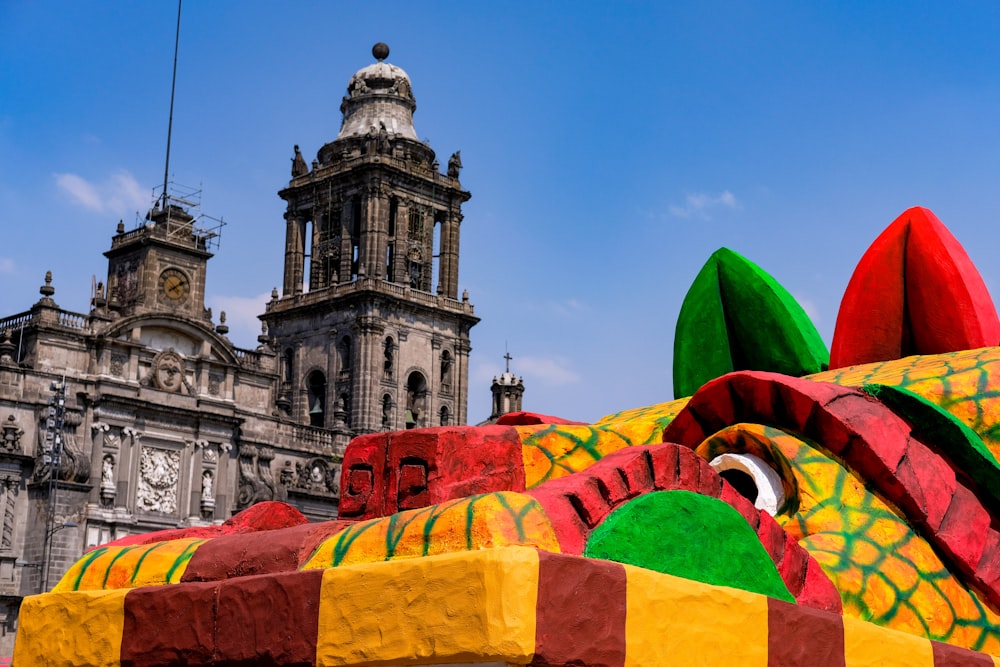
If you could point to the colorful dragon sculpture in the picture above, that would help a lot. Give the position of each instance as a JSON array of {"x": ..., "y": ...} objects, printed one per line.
[{"x": 799, "y": 508}]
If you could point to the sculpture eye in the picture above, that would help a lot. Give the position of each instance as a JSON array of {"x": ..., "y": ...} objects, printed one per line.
[{"x": 753, "y": 479}]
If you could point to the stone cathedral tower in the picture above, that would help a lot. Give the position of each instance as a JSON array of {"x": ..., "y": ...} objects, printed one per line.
[{"x": 370, "y": 329}]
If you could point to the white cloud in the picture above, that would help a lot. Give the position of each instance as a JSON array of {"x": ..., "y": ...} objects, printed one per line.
[
  {"x": 699, "y": 204},
  {"x": 809, "y": 306},
  {"x": 241, "y": 316},
  {"x": 120, "y": 194},
  {"x": 548, "y": 371},
  {"x": 6, "y": 265},
  {"x": 569, "y": 307}
]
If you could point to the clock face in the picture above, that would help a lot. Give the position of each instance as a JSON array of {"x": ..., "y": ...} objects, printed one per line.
[{"x": 175, "y": 286}]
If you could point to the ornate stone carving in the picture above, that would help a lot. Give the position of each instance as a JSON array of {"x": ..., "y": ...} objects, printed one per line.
[
  {"x": 316, "y": 476},
  {"x": 215, "y": 383},
  {"x": 158, "y": 473},
  {"x": 117, "y": 365},
  {"x": 256, "y": 483},
  {"x": 210, "y": 454},
  {"x": 73, "y": 463},
  {"x": 12, "y": 436},
  {"x": 9, "y": 487},
  {"x": 168, "y": 371}
]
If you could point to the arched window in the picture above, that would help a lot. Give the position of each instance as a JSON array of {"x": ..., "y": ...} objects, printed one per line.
[
  {"x": 445, "y": 416},
  {"x": 416, "y": 396},
  {"x": 387, "y": 412},
  {"x": 316, "y": 387},
  {"x": 389, "y": 350}
]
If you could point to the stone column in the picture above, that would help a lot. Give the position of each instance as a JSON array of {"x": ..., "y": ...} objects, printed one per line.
[
  {"x": 448, "y": 267},
  {"x": 295, "y": 230},
  {"x": 461, "y": 379}
]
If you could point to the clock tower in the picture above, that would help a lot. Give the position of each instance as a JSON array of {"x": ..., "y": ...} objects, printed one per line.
[{"x": 160, "y": 266}]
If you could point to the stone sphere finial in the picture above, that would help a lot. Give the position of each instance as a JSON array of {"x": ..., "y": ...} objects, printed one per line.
[{"x": 380, "y": 51}]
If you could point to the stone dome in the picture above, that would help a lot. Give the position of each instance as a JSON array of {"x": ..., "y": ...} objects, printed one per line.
[{"x": 379, "y": 95}]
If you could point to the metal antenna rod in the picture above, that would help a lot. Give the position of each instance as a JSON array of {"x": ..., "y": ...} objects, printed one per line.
[{"x": 170, "y": 122}]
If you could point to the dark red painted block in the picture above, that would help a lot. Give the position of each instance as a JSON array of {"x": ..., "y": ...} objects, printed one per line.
[
  {"x": 988, "y": 570},
  {"x": 885, "y": 434},
  {"x": 564, "y": 636},
  {"x": 709, "y": 481},
  {"x": 740, "y": 504},
  {"x": 570, "y": 529},
  {"x": 268, "y": 515},
  {"x": 818, "y": 591},
  {"x": 270, "y": 621},
  {"x": 793, "y": 566},
  {"x": 665, "y": 470},
  {"x": 963, "y": 532},
  {"x": 754, "y": 393},
  {"x": 634, "y": 466},
  {"x": 772, "y": 538},
  {"x": 949, "y": 655},
  {"x": 798, "y": 636},
  {"x": 798, "y": 404},
  {"x": 928, "y": 483},
  {"x": 242, "y": 555},
  {"x": 689, "y": 469},
  {"x": 588, "y": 497},
  {"x": 185, "y": 617},
  {"x": 531, "y": 418}
]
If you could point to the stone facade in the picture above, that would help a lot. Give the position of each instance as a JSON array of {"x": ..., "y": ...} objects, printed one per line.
[{"x": 162, "y": 422}]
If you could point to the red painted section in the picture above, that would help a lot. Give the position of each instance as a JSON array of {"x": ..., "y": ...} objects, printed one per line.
[
  {"x": 531, "y": 418},
  {"x": 799, "y": 635},
  {"x": 262, "y": 516},
  {"x": 170, "y": 625},
  {"x": 387, "y": 472},
  {"x": 265, "y": 621},
  {"x": 948, "y": 655},
  {"x": 270, "y": 621},
  {"x": 915, "y": 291},
  {"x": 870, "y": 439},
  {"x": 247, "y": 554},
  {"x": 564, "y": 636},
  {"x": 579, "y": 503}
]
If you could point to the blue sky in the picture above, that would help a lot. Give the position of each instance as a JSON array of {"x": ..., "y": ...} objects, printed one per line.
[{"x": 610, "y": 148}]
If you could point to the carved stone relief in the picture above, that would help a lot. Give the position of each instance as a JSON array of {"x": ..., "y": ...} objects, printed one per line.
[
  {"x": 256, "y": 482},
  {"x": 158, "y": 474},
  {"x": 11, "y": 436}
]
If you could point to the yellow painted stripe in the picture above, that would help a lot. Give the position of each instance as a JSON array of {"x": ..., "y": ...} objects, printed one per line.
[
  {"x": 866, "y": 644},
  {"x": 71, "y": 629},
  {"x": 461, "y": 607},
  {"x": 673, "y": 621},
  {"x": 129, "y": 567},
  {"x": 996, "y": 661}
]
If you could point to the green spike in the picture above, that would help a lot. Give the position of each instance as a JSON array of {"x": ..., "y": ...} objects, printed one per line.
[{"x": 737, "y": 317}]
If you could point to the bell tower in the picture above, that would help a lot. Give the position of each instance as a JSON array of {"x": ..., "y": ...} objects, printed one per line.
[{"x": 371, "y": 329}]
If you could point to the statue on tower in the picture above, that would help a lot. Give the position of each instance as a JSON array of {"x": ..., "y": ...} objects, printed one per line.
[
  {"x": 454, "y": 164},
  {"x": 299, "y": 164}
]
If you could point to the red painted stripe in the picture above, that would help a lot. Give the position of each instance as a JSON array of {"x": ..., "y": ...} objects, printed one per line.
[
  {"x": 563, "y": 635},
  {"x": 261, "y": 621},
  {"x": 800, "y": 636},
  {"x": 169, "y": 625},
  {"x": 270, "y": 621},
  {"x": 946, "y": 655}
]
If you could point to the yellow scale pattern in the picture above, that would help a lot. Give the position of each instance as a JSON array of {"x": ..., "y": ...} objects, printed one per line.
[
  {"x": 477, "y": 522},
  {"x": 130, "y": 567},
  {"x": 886, "y": 573}
]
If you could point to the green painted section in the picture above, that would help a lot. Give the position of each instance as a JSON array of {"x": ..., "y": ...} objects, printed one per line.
[
  {"x": 736, "y": 317},
  {"x": 691, "y": 536},
  {"x": 947, "y": 434}
]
